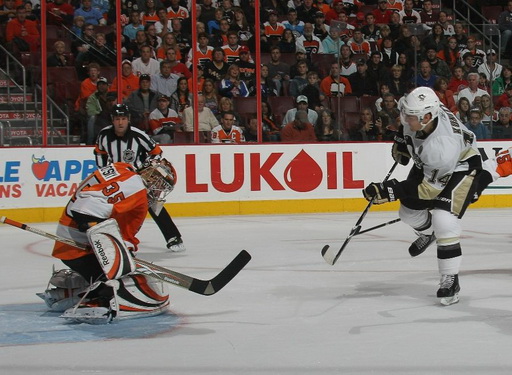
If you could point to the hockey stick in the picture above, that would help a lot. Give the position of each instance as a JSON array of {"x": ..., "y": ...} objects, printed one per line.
[
  {"x": 328, "y": 253},
  {"x": 204, "y": 287},
  {"x": 378, "y": 226}
]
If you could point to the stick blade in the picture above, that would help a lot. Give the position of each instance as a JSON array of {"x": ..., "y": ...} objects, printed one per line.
[
  {"x": 329, "y": 255},
  {"x": 209, "y": 287}
]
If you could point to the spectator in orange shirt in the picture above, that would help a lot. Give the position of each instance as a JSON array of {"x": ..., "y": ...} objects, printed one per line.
[
  {"x": 88, "y": 85},
  {"x": 226, "y": 132},
  {"x": 129, "y": 81},
  {"x": 299, "y": 130},
  {"x": 335, "y": 84},
  {"x": 23, "y": 33}
]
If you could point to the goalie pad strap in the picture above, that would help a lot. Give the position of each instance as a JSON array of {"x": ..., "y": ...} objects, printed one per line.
[{"x": 110, "y": 250}]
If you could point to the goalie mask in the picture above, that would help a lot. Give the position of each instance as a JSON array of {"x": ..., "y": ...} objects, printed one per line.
[
  {"x": 159, "y": 177},
  {"x": 419, "y": 102}
]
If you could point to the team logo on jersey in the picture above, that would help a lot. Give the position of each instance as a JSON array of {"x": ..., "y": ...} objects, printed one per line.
[{"x": 129, "y": 156}]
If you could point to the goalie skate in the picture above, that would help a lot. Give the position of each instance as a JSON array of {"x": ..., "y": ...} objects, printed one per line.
[{"x": 449, "y": 289}]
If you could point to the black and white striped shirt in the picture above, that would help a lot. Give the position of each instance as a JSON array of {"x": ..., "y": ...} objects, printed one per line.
[{"x": 133, "y": 148}]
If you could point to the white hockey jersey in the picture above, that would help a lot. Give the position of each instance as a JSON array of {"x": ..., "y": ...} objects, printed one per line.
[{"x": 450, "y": 148}]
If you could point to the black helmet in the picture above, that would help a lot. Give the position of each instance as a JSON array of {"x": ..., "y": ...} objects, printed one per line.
[{"x": 120, "y": 110}]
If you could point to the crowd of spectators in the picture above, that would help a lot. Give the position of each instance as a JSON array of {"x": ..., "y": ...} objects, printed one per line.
[{"x": 318, "y": 52}]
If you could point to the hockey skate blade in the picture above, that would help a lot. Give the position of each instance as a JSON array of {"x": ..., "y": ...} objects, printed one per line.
[
  {"x": 89, "y": 315},
  {"x": 447, "y": 301}
]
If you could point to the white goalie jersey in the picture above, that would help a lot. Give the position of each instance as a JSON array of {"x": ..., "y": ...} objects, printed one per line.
[{"x": 450, "y": 148}]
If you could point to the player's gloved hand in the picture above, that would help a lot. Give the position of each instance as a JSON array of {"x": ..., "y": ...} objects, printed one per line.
[
  {"x": 381, "y": 192},
  {"x": 399, "y": 151}
]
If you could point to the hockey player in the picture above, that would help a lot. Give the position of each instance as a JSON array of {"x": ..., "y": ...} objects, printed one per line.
[
  {"x": 106, "y": 212},
  {"x": 441, "y": 184},
  {"x": 121, "y": 142}
]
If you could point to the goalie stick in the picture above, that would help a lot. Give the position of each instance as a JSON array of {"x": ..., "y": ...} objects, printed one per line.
[
  {"x": 329, "y": 254},
  {"x": 204, "y": 287}
]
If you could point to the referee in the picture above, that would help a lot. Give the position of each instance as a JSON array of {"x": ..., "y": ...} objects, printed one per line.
[{"x": 120, "y": 142}]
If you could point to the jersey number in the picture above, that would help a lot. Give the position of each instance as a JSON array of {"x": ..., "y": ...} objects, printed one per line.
[
  {"x": 112, "y": 192},
  {"x": 442, "y": 180}
]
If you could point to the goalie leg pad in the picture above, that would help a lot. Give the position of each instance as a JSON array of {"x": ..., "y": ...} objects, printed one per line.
[
  {"x": 110, "y": 249},
  {"x": 130, "y": 297},
  {"x": 63, "y": 289}
]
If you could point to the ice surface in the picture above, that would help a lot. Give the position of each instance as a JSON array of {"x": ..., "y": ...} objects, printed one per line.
[{"x": 288, "y": 312}]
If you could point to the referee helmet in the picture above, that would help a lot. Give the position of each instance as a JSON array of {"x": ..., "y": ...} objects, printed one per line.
[{"x": 120, "y": 110}]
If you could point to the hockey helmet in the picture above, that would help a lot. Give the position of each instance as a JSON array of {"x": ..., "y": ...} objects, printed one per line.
[
  {"x": 159, "y": 176},
  {"x": 419, "y": 102},
  {"x": 120, "y": 110}
]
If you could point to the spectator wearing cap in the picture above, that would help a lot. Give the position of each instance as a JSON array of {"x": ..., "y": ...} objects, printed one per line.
[
  {"x": 163, "y": 121},
  {"x": 472, "y": 91},
  {"x": 300, "y": 56},
  {"x": 309, "y": 42},
  {"x": 164, "y": 82},
  {"x": 333, "y": 42},
  {"x": 335, "y": 85},
  {"x": 439, "y": 67},
  {"x": 299, "y": 130},
  {"x": 145, "y": 64},
  {"x": 247, "y": 69},
  {"x": 129, "y": 81},
  {"x": 505, "y": 26},
  {"x": 302, "y": 105},
  {"x": 504, "y": 99},
  {"x": 490, "y": 67},
  {"x": 98, "y": 107},
  {"x": 357, "y": 43},
  {"x": 306, "y": 11},
  {"x": 320, "y": 29},
  {"x": 293, "y": 23},
  {"x": 141, "y": 103},
  {"x": 478, "y": 55},
  {"x": 333, "y": 14},
  {"x": 361, "y": 82},
  {"x": 382, "y": 14},
  {"x": 467, "y": 64}
]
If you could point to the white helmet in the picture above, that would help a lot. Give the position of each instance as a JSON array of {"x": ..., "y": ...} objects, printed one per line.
[{"x": 419, "y": 102}]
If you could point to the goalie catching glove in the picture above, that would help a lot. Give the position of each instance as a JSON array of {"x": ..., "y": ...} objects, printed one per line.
[
  {"x": 399, "y": 151},
  {"x": 382, "y": 192}
]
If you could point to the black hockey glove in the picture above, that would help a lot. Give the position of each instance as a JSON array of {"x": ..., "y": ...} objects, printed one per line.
[
  {"x": 381, "y": 192},
  {"x": 399, "y": 151},
  {"x": 84, "y": 222}
]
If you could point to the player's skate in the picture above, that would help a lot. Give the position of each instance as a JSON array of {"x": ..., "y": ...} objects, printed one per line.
[
  {"x": 421, "y": 243},
  {"x": 449, "y": 289},
  {"x": 176, "y": 245}
]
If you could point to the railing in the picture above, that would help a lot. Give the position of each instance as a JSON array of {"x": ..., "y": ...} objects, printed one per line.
[
  {"x": 487, "y": 29},
  {"x": 51, "y": 118},
  {"x": 7, "y": 137},
  {"x": 9, "y": 59}
]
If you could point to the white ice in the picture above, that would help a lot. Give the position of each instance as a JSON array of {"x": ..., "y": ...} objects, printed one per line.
[{"x": 288, "y": 312}]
